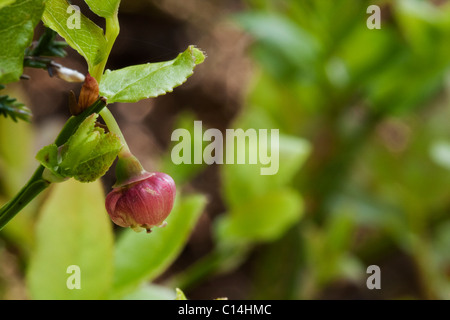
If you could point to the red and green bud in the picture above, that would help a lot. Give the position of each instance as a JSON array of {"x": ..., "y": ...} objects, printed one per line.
[{"x": 140, "y": 199}]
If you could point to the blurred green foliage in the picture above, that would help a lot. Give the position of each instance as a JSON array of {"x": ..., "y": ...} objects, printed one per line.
[
  {"x": 364, "y": 170},
  {"x": 373, "y": 104}
]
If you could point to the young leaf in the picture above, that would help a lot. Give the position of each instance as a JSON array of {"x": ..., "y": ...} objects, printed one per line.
[
  {"x": 99, "y": 160},
  {"x": 48, "y": 157},
  {"x": 17, "y": 24},
  {"x": 73, "y": 230},
  {"x": 86, "y": 37},
  {"x": 142, "y": 257},
  {"x": 86, "y": 156},
  {"x": 103, "y": 8},
  {"x": 149, "y": 80}
]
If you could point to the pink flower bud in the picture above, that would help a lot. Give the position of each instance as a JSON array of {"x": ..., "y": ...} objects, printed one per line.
[{"x": 142, "y": 204}]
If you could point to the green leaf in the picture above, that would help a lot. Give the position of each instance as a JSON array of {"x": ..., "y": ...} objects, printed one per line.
[
  {"x": 15, "y": 165},
  {"x": 245, "y": 181},
  {"x": 141, "y": 257},
  {"x": 282, "y": 45},
  {"x": 149, "y": 80},
  {"x": 4, "y": 3},
  {"x": 90, "y": 152},
  {"x": 104, "y": 8},
  {"x": 88, "y": 39},
  {"x": 99, "y": 160},
  {"x": 48, "y": 157},
  {"x": 86, "y": 156},
  {"x": 423, "y": 25},
  {"x": 263, "y": 218},
  {"x": 16, "y": 143},
  {"x": 73, "y": 229},
  {"x": 180, "y": 295},
  {"x": 17, "y": 24}
]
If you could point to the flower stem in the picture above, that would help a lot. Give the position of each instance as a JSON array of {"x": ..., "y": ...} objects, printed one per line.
[{"x": 114, "y": 128}]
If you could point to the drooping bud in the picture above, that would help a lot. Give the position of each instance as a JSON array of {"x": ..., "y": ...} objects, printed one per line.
[
  {"x": 143, "y": 204},
  {"x": 140, "y": 199}
]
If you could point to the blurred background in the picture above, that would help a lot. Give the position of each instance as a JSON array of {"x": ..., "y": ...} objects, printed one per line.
[{"x": 364, "y": 148}]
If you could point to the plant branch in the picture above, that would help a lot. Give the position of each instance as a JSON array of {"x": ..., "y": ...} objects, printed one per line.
[
  {"x": 113, "y": 127},
  {"x": 37, "y": 183},
  {"x": 111, "y": 33}
]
